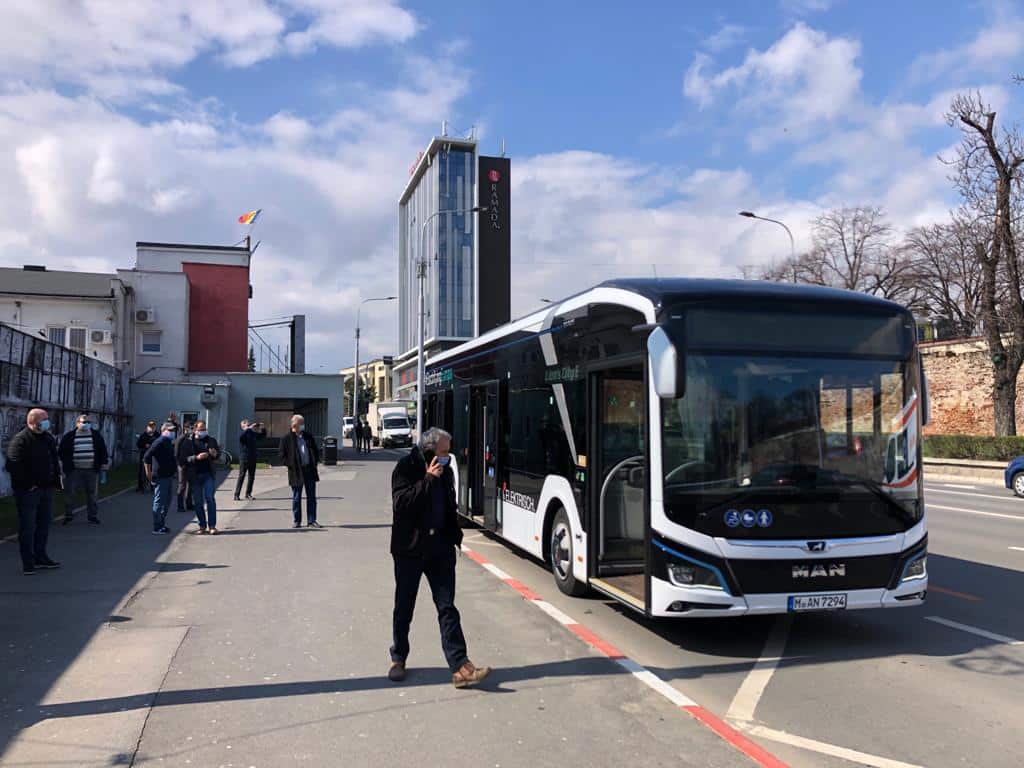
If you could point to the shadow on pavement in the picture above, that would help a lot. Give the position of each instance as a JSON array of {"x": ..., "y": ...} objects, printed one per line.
[
  {"x": 418, "y": 677},
  {"x": 46, "y": 620}
]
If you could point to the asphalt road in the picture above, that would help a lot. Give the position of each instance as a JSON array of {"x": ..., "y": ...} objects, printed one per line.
[
  {"x": 939, "y": 685},
  {"x": 267, "y": 646}
]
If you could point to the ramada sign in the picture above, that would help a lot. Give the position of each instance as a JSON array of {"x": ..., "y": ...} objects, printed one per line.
[{"x": 494, "y": 176}]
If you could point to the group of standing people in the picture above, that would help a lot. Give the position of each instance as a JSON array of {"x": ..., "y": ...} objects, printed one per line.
[
  {"x": 362, "y": 436},
  {"x": 39, "y": 466}
]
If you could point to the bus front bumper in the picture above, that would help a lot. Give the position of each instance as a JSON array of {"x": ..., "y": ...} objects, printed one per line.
[{"x": 696, "y": 602}]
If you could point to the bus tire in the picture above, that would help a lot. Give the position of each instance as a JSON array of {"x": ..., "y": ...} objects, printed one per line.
[
  {"x": 560, "y": 555},
  {"x": 1017, "y": 483}
]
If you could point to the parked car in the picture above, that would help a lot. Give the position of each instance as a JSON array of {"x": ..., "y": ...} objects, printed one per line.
[
  {"x": 347, "y": 425},
  {"x": 1014, "y": 476}
]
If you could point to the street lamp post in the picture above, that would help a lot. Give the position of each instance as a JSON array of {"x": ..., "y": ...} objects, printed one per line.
[
  {"x": 792, "y": 245},
  {"x": 421, "y": 274},
  {"x": 355, "y": 385}
]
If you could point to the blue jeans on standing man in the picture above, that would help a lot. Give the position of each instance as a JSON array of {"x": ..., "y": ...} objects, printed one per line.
[
  {"x": 35, "y": 510},
  {"x": 163, "y": 492},
  {"x": 205, "y": 504},
  {"x": 309, "y": 483}
]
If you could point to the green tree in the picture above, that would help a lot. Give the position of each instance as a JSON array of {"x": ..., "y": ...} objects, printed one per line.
[{"x": 367, "y": 395}]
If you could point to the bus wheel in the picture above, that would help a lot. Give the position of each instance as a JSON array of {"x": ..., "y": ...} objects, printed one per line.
[
  {"x": 1018, "y": 484},
  {"x": 561, "y": 554}
]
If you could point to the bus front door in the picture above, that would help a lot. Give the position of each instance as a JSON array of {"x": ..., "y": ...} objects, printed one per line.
[
  {"x": 483, "y": 455},
  {"x": 620, "y": 452}
]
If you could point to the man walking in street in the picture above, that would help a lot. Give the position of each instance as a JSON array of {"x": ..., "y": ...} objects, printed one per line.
[
  {"x": 367, "y": 437},
  {"x": 425, "y": 536},
  {"x": 144, "y": 441},
  {"x": 35, "y": 472},
  {"x": 195, "y": 454},
  {"x": 247, "y": 453},
  {"x": 299, "y": 453},
  {"x": 161, "y": 469},
  {"x": 83, "y": 453}
]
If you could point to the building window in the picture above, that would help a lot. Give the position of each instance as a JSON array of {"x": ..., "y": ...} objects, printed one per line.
[
  {"x": 151, "y": 342},
  {"x": 56, "y": 335},
  {"x": 76, "y": 339}
]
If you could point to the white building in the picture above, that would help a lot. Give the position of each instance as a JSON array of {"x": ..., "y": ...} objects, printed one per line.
[{"x": 77, "y": 310}]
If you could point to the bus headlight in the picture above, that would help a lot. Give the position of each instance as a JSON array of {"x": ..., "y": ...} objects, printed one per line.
[
  {"x": 692, "y": 575},
  {"x": 915, "y": 569}
]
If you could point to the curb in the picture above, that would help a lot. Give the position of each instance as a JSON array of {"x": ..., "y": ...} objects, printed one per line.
[{"x": 722, "y": 729}]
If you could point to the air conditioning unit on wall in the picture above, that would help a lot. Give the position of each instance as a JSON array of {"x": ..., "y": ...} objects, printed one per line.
[
  {"x": 101, "y": 337},
  {"x": 145, "y": 315}
]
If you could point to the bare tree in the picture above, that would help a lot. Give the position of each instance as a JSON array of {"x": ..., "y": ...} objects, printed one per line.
[
  {"x": 987, "y": 173},
  {"x": 944, "y": 265}
]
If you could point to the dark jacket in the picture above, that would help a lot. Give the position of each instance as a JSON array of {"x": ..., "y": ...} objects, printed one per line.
[
  {"x": 145, "y": 440},
  {"x": 160, "y": 455},
  {"x": 187, "y": 450},
  {"x": 247, "y": 451},
  {"x": 67, "y": 451},
  {"x": 290, "y": 457},
  {"x": 32, "y": 460},
  {"x": 411, "y": 498}
]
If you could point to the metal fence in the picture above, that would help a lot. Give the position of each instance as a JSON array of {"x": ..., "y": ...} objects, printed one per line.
[{"x": 35, "y": 373}]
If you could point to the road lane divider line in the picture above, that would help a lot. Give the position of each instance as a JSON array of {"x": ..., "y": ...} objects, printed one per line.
[
  {"x": 1007, "y": 497},
  {"x": 861, "y": 758},
  {"x": 975, "y": 631},
  {"x": 496, "y": 571},
  {"x": 1018, "y": 518},
  {"x": 956, "y": 485},
  {"x": 1017, "y": 549},
  {"x": 952, "y": 593},
  {"x": 745, "y": 701},
  {"x": 723, "y": 730}
]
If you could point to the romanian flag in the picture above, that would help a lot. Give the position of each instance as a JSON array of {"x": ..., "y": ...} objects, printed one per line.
[{"x": 250, "y": 217}]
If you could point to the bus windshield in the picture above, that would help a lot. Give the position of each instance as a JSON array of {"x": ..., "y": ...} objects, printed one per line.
[
  {"x": 764, "y": 446},
  {"x": 396, "y": 422}
]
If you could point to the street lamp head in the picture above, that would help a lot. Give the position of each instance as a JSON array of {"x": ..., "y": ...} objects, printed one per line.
[
  {"x": 748, "y": 214},
  {"x": 478, "y": 209}
]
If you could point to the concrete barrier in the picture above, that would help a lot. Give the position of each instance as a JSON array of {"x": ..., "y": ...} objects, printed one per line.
[{"x": 969, "y": 470}]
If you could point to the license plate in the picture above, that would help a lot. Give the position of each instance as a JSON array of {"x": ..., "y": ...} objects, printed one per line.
[{"x": 817, "y": 602}]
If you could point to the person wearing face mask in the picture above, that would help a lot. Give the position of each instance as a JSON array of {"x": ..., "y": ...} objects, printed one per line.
[
  {"x": 161, "y": 469},
  {"x": 196, "y": 452},
  {"x": 299, "y": 453},
  {"x": 34, "y": 467},
  {"x": 142, "y": 443},
  {"x": 83, "y": 453},
  {"x": 425, "y": 536}
]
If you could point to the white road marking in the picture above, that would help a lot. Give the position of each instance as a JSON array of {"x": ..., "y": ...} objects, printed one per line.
[
  {"x": 975, "y": 631},
  {"x": 496, "y": 571},
  {"x": 749, "y": 694},
  {"x": 554, "y": 613},
  {"x": 1018, "y": 549},
  {"x": 954, "y": 485},
  {"x": 1019, "y": 518},
  {"x": 1006, "y": 497},
  {"x": 822, "y": 748},
  {"x": 654, "y": 682}
]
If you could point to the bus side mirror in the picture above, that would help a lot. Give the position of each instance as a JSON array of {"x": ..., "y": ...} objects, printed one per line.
[{"x": 666, "y": 365}]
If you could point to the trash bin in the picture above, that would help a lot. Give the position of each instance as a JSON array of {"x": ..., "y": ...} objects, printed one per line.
[{"x": 330, "y": 451}]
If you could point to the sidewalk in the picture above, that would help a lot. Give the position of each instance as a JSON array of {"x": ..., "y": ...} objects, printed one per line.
[{"x": 267, "y": 646}]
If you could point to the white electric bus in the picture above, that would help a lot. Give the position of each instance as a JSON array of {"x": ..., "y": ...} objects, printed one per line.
[{"x": 699, "y": 447}]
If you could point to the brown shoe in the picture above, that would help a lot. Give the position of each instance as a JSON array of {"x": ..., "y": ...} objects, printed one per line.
[
  {"x": 397, "y": 672},
  {"x": 469, "y": 674}
]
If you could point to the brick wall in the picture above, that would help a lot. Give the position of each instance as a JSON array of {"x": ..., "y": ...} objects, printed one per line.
[{"x": 960, "y": 388}]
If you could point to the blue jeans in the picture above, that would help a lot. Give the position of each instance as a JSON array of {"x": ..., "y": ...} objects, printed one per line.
[
  {"x": 202, "y": 498},
  {"x": 35, "y": 510},
  {"x": 309, "y": 483},
  {"x": 163, "y": 492}
]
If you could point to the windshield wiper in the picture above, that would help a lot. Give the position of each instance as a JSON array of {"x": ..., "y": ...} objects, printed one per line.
[{"x": 880, "y": 492}]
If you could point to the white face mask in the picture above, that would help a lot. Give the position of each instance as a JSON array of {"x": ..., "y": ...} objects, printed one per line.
[{"x": 85, "y": 426}]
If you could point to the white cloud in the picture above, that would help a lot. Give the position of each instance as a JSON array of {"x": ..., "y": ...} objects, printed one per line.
[
  {"x": 802, "y": 81},
  {"x": 350, "y": 23},
  {"x": 993, "y": 49},
  {"x": 727, "y": 36}
]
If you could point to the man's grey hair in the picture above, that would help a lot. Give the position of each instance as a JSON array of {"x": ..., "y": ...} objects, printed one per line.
[{"x": 431, "y": 437}]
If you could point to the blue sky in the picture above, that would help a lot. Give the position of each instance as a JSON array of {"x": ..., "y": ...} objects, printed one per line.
[{"x": 636, "y": 131}]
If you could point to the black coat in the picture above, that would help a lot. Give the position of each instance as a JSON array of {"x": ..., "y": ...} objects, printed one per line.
[
  {"x": 412, "y": 501},
  {"x": 145, "y": 440},
  {"x": 291, "y": 458},
  {"x": 160, "y": 455},
  {"x": 188, "y": 448},
  {"x": 32, "y": 460},
  {"x": 67, "y": 451},
  {"x": 247, "y": 451}
]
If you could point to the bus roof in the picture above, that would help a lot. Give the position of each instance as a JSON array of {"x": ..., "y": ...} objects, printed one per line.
[{"x": 661, "y": 292}]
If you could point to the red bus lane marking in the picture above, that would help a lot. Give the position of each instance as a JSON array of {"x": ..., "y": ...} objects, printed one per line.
[
  {"x": 951, "y": 593},
  {"x": 718, "y": 726}
]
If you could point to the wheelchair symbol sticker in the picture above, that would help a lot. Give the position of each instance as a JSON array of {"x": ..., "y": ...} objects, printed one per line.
[{"x": 732, "y": 518}]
